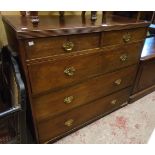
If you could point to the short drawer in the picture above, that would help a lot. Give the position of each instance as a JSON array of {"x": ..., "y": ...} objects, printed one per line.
[
  {"x": 59, "y": 125},
  {"x": 65, "y": 99},
  {"x": 70, "y": 70},
  {"x": 123, "y": 36},
  {"x": 43, "y": 47}
]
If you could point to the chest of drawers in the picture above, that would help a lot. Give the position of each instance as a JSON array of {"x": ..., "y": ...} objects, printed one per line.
[{"x": 75, "y": 72}]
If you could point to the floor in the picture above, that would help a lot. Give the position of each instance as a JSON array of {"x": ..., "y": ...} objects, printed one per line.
[{"x": 132, "y": 124}]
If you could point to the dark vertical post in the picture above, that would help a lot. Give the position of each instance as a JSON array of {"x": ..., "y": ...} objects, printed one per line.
[
  {"x": 23, "y": 13},
  {"x": 61, "y": 13},
  {"x": 93, "y": 15},
  {"x": 34, "y": 18}
]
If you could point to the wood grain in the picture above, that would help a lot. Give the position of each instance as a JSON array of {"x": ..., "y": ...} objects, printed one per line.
[
  {"x": 53, "y": 25},
  {"x": 146, "y": 76},
  {"x": 56, "y": 126},
  {"x": 53, "y": 103},
  {"x": 116, "y": 37},
  {"x": 95, "y": 57},
  {"x": 44, "y": 47},
  {"x": 49, "y": 75},
  {"x": 145, "y": 79}
]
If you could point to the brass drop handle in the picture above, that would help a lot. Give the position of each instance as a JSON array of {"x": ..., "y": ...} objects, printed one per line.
[
  {"x": 126, "y": 37},
  {"x": 113, "y": 102},
  {"x": 118, "y": 82},
  {"x": 123, "y": 57},
  {"x": 68, "y": 99},
  {"x": 69, "y": 122},
  {"x": 68, "y": 46},
  {"x": 69, "y": 71}
]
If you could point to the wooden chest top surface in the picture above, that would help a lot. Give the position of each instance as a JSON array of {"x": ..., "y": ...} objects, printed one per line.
[{"x": 55, "y": 26}]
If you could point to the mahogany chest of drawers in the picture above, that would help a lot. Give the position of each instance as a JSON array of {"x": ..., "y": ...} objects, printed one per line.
[{"x": 76, "y": 71}]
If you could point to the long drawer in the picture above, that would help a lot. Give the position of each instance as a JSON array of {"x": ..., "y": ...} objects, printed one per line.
[
  {"x": 65, "y": 71},
  {"x": 123, "y": 37},
  {"x": 60, "y": 101},
  {"x": 43, "y": 47},
  {"x": 65, "y": 122}
]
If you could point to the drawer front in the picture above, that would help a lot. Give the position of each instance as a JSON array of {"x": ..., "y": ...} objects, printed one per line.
[
  {"x": 60, "y": 101},
  {"x": 43, "y": 47},
  {"x": 54, "y": 74},
  {"x": 123, "y": 36},
  {"x": 58, "y": 125}
]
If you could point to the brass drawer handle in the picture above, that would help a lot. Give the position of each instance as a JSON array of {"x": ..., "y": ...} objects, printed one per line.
[
  {"x": 118, "y": 82},
  {"x": 126, "y": 37},
  {"x": 68, "y": 46},
  {"x": 69, "y": 71},
  {"x": 113, "y": 102},
  {"x": 68, "y": 99},
  {"x": 69, "y": 122},
  {"x": 123, "y": 57}
]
